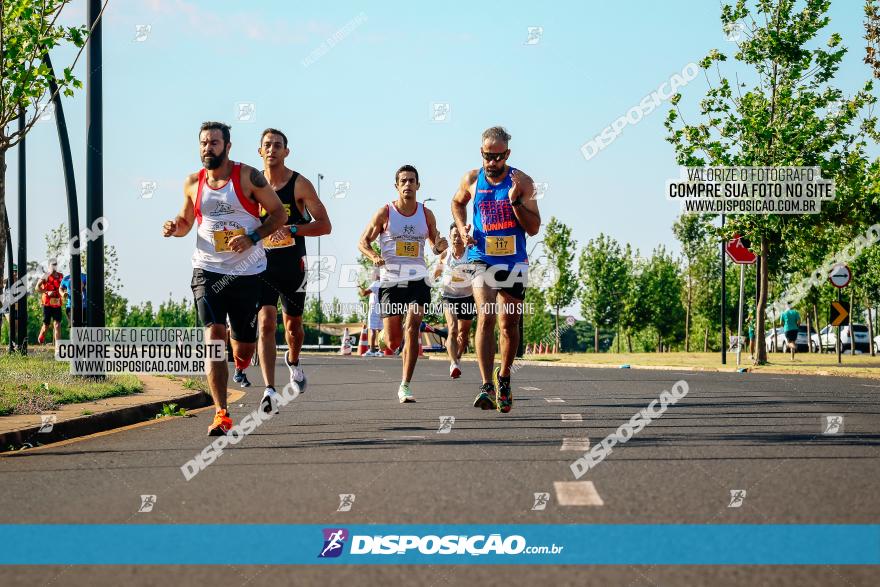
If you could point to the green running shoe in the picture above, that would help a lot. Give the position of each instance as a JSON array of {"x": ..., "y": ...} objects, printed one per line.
[
  {"x": 503, "y": 396},
  {"x": 485, "y": 400}
]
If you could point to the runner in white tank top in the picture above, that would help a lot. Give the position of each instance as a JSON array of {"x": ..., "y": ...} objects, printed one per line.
[
  {"x": 402, "y": 246},
  {"x": 456, "y": 276},
  {"x": 402, "y": 228},
  {"x": 224, "y": 199}
]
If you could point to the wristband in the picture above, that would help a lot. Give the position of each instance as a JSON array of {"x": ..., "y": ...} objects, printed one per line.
[
  {"x": 517, "y": 202},
  {"x": 293, "y": 229},
  {"x": 255, "y": 238}
]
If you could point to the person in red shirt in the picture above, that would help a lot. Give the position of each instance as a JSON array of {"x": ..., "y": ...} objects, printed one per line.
[{"x": 49, "y": 286}]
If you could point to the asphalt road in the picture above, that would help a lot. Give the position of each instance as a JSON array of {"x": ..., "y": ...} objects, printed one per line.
[{"x": 348, "y": 435}]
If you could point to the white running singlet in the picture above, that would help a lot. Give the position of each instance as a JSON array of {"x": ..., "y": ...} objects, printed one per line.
[
  {"x": 402, "y": 245},
  {"x": 222, "y": 213}
]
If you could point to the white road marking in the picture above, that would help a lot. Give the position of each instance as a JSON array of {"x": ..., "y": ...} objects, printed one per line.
[
  {"x": 577, "y": 493},
  {"x": 554, "y": 400},
  {"x": 581, "y": 444},
  {"x": 530, "y": 388},
  {"x": 572, "y": 418}
]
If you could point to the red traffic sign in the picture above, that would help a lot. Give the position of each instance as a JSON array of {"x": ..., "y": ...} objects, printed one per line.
[
  {"x": 739, "y": 252},
  {"x": 840, "y": 275}
]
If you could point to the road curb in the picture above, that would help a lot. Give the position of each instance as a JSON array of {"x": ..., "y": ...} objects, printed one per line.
[
  {"x": 100, "y": 422},
  {"x": 732, "y": 369}
]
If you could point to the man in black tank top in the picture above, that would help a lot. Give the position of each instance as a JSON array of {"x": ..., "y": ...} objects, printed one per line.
[{"x": 285, "y": 263}]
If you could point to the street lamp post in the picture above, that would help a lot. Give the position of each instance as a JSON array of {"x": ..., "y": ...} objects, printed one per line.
[{"x": 320, "y": 273}]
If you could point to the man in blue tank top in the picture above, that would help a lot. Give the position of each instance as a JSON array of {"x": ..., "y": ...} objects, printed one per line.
[{"x": 504, "y": 212}]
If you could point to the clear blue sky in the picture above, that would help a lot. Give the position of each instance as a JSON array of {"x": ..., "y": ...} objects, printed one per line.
[{"x": 362, "y": 109}]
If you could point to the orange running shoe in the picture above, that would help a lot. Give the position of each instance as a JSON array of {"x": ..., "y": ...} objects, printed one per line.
[{"x": 221, "y": 425}]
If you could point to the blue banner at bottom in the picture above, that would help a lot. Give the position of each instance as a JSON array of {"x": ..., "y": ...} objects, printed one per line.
[{"x": 605, "y": 544}]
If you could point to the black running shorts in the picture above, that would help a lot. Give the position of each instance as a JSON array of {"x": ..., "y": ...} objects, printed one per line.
[{"x": 237, "y": 297}]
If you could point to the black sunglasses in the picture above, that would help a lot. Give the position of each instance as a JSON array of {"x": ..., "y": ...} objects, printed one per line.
[{"x": 495, "y": 156}]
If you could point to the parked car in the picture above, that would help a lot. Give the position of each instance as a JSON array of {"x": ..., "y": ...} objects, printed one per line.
[
  {"x": 776, "y": 340},
  {"x": 827, "y": 338}
]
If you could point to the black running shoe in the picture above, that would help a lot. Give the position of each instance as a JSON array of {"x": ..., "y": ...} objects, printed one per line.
[
  {"x": 240, "y": 377},
  {"x": 504, "y": 399},
  {"x": 485, "y": 400}
]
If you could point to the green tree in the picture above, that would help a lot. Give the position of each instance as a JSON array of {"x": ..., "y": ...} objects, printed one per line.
[
  {"x": 604, "y": 272},
  {"x": 691, "y": 231},
  {"x": 29, "y": 30},
  {"x": 538, "y": 323},
  {"x": 791, "y": 115},
  {"x": 560, "y": 249},
  {"x": 335, "y": 315},
  {"x": 659, "y": 295},
  {"x": 313, "y": 313}
]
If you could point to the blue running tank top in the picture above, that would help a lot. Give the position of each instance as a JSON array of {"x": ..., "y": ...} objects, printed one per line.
[{"x": 500, "y": 240}]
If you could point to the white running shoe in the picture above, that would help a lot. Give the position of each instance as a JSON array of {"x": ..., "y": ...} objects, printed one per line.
[
  {"x": 454, "y": 370},
  {"x": 269, "y": 403},
  {"x": 405, "y": 394},
  {"x": 297, "y": 376}
]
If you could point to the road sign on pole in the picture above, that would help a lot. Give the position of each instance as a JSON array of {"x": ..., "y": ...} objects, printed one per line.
[
  {"x": 739, "y": 251},
  {"x": 839, "y": 312},
  {"x": 840, "y": 275}
]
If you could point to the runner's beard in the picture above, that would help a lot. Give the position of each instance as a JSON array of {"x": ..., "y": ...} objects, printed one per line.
[
  {"x": 213, "y": 161},
  {"x": 495, "y": 172}
]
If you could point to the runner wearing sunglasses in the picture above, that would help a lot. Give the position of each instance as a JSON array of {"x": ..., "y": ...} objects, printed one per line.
[{"x": 505, "y": 211}]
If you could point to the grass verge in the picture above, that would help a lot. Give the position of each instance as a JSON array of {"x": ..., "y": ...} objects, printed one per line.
[{"x": 37, "y": 383}]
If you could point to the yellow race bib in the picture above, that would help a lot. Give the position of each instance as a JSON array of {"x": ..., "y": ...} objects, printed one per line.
[
  {"x": 279, "y": 239},
  {"x": 498, "y": 246},
  {"x": 222, "y": 238},
  {"x": 407, "y": 248}
]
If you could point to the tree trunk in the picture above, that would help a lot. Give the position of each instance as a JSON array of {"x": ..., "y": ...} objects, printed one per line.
[
  {"x": 852, "y": 335},
  {"x": 687, "y": 315},
  {"x": 761, "y": 314},
  {"x": 706, "y": 340},
  {"x": 659, "y": 343},
  {"x": 618, "y": 338},
  {"x": 809, "y": 334},
  {"x": 629, "y": 342},
  {"x": 870, "y": 329},
  {"x": 818, "y": 327},
  {"x": 2, "y": 218},
  {"x": 557, "y": 330},
  {"x": 595, "y": 338}
]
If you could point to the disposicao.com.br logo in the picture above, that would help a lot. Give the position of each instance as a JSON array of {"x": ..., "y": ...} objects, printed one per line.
[{"x": 431, "y": 544}]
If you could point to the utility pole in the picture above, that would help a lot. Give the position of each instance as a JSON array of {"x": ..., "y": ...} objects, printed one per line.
[{"x": 94, "y": 168}]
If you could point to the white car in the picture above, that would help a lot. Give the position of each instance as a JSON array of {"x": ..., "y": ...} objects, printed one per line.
[
  {"x": 827, "y": 338},
  {"x": 776, "y": 342}
]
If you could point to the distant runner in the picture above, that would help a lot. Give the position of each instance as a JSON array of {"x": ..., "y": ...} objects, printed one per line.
[
  {"x": 374, "y": 318},
  {"x": 49, "y": 287},
  {"x": 791, "y": 322},
  {"x": 456, "y": 276},
  {"x": 66, "y": 287}
]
